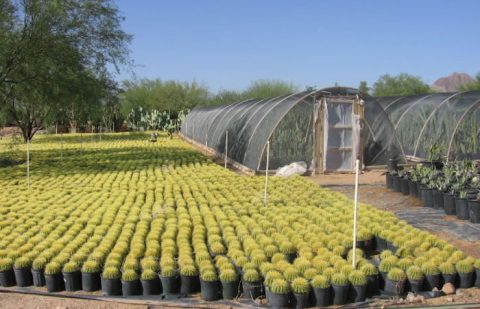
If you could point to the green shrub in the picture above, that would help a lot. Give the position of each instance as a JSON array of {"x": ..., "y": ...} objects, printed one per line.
[
  {"x": 53, "y": 268},
  {"x": 369, "y": 269},
  {"x": 357, "y": 277},
  {"x": 129, "y": 275},
  {"x": 430, "y": 269},
  {"x": 228, "y": 275},
  {"x": 71, "y": 267},
  {"x": 414, "y": 273},
  {"x": 464, "y": 266},
  {"x": 251, "y": 275},
  {"x": 320, "y": 281},
  {"x": 111, "y": 273},
  {"x": 396, "y": 274},
  {"x": 300, "y": 285},
  {"x": 339, "y": 279},
  {"x": 6, "y": 263},
  {"x": 280, "y": 286},
  {"x": 447, "y": 268}
]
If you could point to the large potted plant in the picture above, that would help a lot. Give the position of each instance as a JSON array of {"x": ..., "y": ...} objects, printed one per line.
[
  {"x": 170, "y": 280},
  {"x": 38, "y": 274},
  {"x": 190, "y": 282},
  {"x": 209, "y": 285}
]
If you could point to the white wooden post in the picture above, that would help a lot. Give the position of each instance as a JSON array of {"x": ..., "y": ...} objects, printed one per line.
[
  {"x": 28, "y": 163},
  {"x": 226, "y": 148},
  {"x": 266, "y": 173},
  {"x": 61, "y": 150},
  {"x": 355, "y": 210}
]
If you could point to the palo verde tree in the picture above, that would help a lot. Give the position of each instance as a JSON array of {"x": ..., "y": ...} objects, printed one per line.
[
  {"x": 47, "y": 45},
  {"x": 400, "y": 85}
]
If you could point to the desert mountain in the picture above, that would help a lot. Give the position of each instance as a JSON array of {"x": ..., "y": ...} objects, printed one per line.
[{"x": 452, "y": 82}]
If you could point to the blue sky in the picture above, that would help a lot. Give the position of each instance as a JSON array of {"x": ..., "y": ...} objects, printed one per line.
[{"x": 227, "y": 44}]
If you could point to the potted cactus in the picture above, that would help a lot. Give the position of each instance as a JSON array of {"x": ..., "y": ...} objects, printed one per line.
[
  {"x": 22, "y": 270},
  {"x": 465, "y": 272},
  {"x": 476, "y": 265},
  {"x": 53, "y": 277},
  {"x": 91, "y": 276},
  {"x": 38, "y": 274},
  {"x": 301, "y": 292},
  {"x": 209, "y": 285},
  {"x": 415, "y": 278},
  {"x": 252, "y": 284},
  {"x": 130, "y": 283},
  {"x": 432, "y": 275},
  {"x": 111, "y": 283},
  {"x": 170, "y": 280},
  {"x": 230, "y": 282},
  {"x": 448, "y": 271},
  {"x": 372, "y": 279},
  {"x": 72, "y": 276},
  {"x": 190, "y": 282},
  {"x": 340, "y": 287},
  {"x": 288, "y": 248},
  {"x": 358, "y": 280},
  {"x": 278, "y": 293},
  {"x": 150, "y": 282},
  {"x": 395, "y": 282},
  {"x": 321, "y": 290},
  {"x": 7, "y": 276}
]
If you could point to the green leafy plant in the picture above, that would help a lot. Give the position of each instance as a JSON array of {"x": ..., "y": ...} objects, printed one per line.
[
  {"x": 320, "y": 281},
  {"x": 464, "y": 266},
  {"x": 339, "y": 279},
  {"x": 357, "y": 277},
  {"x": 300, "y": 285},
  {"x": 414, "y": 273},
  {"x": 280, "y": 286},
  {"x": 396, "y": 274},
  {"x": 129, "y": 275}
]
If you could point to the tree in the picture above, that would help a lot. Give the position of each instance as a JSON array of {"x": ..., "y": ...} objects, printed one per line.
[
  {"x": 363, "y": 88},
  {"x": 49, "y": 45},
  {"x": 471, "y": 86},
  {"x": 400, "y": 85},
  {"x": 261, "y": 89}
]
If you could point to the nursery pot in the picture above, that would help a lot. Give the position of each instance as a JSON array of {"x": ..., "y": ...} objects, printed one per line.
[
  {"x": 278, "y": 300},
  {"x": 73, "y": 281},
  {"x": 359, "y": 293},
  {"x": 131, "y": 288},
  {"x": 397, "y": 185},
  {"x": 392, "y": 165},
  {"x": 55, "y": 282},
  {"x": 437, "y": 199},
  {"x": 394, "y": 287},
  {"x": 372, "y": 285},
  {"x": 461, "y": 208},
  {"x": 23, "y": 276},
  {"x": 449, "y": 204},
  {"x": 427, "y": 197},
  {"x": 38, "y": 277},
  {"x": 210, "y": 290},
  {"x": 449, "y": 278},
  {"x": 252, "y": 290},
  {"x": 381, "y": 279},
  {"x": 291, "y": 257},
  {"x": 91, "y": 281},
  {"x": 322, "y": 296},
  {"x": 189, "y": 284},
  {"x": 381, "y": 243},
  {"x": 404, "y": 183},
  {"x": 170, "y": 285},
  {"x": 389, "y": 180},
  {"x": 340, "y": 294},
  {"x": 7, "y": 278},
  {"x": 151, "y": 287},
  {"x": 416, "y": 286},
  {"x": 477, "y": 277},
  {"x": 432, "y": 281},
  {"x": 111, "y": 287},
  {"x": 413, "y": 188},
  {"x": 466, "y": 280},
  {"x": 301, "y": 300},
  {"x": 230, "y": 290},
  {"x": 474, "y": 211}
]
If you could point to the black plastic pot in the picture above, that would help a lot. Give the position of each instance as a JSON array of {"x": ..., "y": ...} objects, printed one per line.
[
  {"x": 416, "y": 286},
  {"x": 55, "y": 282},
  {"x": 38, "y": 277},
  {"x": 322, "y": 296},
  {"x": 189, "y": 284},
  {"x": 477, "y": 277},
  {"x": 230, "y": 290},
  {"x": 373, "y": 285},
  {"x": 359, "y": 293},
  {"x": 392, "y": 165},
  {"x": 404, "y": 183},
  {"x": 23, "y": 276},
  {"x": 340, "y": 294},
  {"x": 131, "y": 288},
  {"x": 91, "y": 281},
  {"x": 151, "y": 287},
  {"x": 382, "y": 277},
  {"x": 381, "y": 243},
  {"x": 278, "y": 300},
  {"x": 419, "y": 189},
  {"x": 301, "y": 300},
  {"x": 466, "y": 280},
  {"x": 437, "y": 199},
  {"x": 474, "y": 211},
  {"x": 7, "y": 278},
  {"x": 413, "y": 188},
  {"x": 291, "y": 257},
  {"x": 449, "y": 204},
  {"x": 170, "y": 285},
  {"x": 397, "y": 185},
  {"x": 461, "y": 208},
  {"x": 432, "y": 281},
  {"x": 449, "y": 278},
  {"x": 396, "y": 288},
  {"x": 252, "y": 290},
  {"x": 73, "y": 281},
  {"x": 111, "y": 287},
  {"x": 427, "y": 197},
  {"x": 210, "y": 290},
  {"x": 389, "y": 180}
]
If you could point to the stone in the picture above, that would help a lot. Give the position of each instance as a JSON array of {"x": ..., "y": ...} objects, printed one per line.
[
  {"x": 411, "y": 297},
  {"x": 459, "y": 292},
  {"x": 448, "y": 288},
  {"x": 450, "y": 299}
]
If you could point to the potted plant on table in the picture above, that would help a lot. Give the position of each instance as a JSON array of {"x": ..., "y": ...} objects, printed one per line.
[
  {"x": 209, "y": 285},
  {"x": 130, "y": 283},
  {"x": 190, "y": 282}
]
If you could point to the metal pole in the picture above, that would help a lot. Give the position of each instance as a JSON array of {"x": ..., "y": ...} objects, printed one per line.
[
  {"x": 226, "y": 148},
  {"x": 355, "y": 210},
  {"x": 266, "y": 173},
  {"x": 28, "y": 163}
]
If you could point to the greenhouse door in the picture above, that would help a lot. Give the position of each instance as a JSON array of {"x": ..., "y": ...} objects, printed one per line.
[{"x": 340, "y": 134}]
